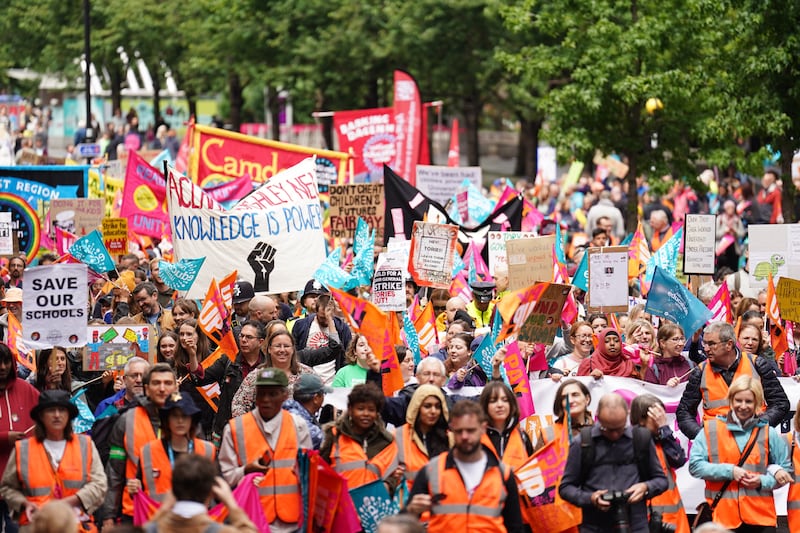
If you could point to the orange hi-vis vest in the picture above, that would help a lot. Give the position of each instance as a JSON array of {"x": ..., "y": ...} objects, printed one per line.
[
  {"x": 714, "y": 390},
  {"x": 669, "y": 503},
  {"x": 409, "y": 453},
  {"x": 793, "y": 499},
  {"x": 351, "y": 462},
  {"x": 454, "y": 510},
  {"x": 157, "y": 469},
  {"x": 514, "y": 454},
  {"x": 138, "y": 432},
  {"x": 40, "y": 483},
  {"x": 738, "y": 504},
  {"x": 279, "y": 491}
]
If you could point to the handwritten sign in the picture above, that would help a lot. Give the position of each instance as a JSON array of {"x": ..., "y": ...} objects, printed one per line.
[
  {"x": 110, "y": 347},
  {"x": 608, "y": 279},
  {"x": 788, "y": 293},
  {"x": 699, "y": 244},
  {"x": 543, "y": 322},
  {"x": 497, "y": 246},
  {"x": 348, "y": 202},
  {"x": 439, "y": 183},
  {"x": 431, "y": 260},
  {"x": 115, "y": 235},
  {"x": 529, "y": 261},
  {"x": 78, "y": 216}
]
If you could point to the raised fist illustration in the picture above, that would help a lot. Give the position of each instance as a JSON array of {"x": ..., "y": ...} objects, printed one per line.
[{"x": 262, "y": 261}]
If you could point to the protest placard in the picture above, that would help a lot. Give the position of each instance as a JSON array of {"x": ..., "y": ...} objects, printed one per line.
[
  {"x": 115, "y": 235},
  {"x": 774, "y": 248},
  {"x": 497, "y": 246},
  {"x": 388, "y": 284},
  {"x": 699, "y": 244},
  {"x": 788, "y": 293},
  {"x": 78, "y": 216},
  {"x": 543, "y": 322},
  {"x": 6, "y": 235},
  {"x": 348, "y": 202},
  {"x": 440, "y": 183},
  {"x": 273, "y": 237},
  {"x": 369, "y": 134},
  {"x": 56, "y": 302},
  {"x": 431, "y": 260},
  {"x": 608, "y": 280},
  {"x": 110, "y": 347},
  {"x": 529, "y": 261}
]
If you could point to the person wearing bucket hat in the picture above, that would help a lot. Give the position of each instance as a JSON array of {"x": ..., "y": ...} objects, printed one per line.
[
  {"x": 266, "y": 441},
  {"x": 12, "y": 301},
  {"x": 308, "y": 396},
  {"x": 180, "y": 417},
  {"x": 75, "y": 476},
  {"x": 481, "y": 308}
]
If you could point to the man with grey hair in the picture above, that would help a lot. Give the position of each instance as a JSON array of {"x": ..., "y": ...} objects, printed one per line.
[
  {"x": 661, "y": 229},
  {"x": 706, "y": 292},
  {"x": 130, "y": 385},
  {"x": 709, "y": 383}
]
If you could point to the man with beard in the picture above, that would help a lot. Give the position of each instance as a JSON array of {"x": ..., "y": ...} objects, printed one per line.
[
  {"x": 165, "y": 293},
  {"x": 314, "y": 331},
  {"x": 145, "y": 295},
  {"x": 16, "y": 266},
  {"x": 464, "y": 488}
]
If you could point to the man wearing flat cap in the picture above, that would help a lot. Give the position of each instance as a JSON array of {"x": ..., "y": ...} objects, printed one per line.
[
  {"x": 481, "y": 308},
  {"x": 308, "y": 395},
  {"x": 266, "y": 441}
]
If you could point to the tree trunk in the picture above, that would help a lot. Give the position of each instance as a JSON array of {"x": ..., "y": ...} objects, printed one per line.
[
  {"x": 373, "y": 94},
  {"x": 527, "y": 148},
  {"x": 789, "y": 195},
  {"x": 191, "y": 99},
  {"x": 327, "y": 122},
  {"x": 471, "y": 118},
  {"x": 273, "y": 105},
  {"x": 116, "y": 88},
  {"x": 236, "y": 100},
  {"x": 156, "y": 99}
]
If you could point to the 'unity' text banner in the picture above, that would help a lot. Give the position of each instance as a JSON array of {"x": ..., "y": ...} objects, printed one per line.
[{"x": 273, "y": 237}]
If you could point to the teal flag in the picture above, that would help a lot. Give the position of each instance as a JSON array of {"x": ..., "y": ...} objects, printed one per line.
[{"x": 91, "y": 251}]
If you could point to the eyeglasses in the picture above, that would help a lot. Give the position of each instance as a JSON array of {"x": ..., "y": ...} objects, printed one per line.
[
  {"x": 247, "y": 337},
  {"x": 583, "y": 336},
  {"x": 678, "y": 339}
]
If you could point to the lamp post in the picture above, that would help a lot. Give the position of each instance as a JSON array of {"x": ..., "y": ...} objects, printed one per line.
[{"x": 87, "y": 52}]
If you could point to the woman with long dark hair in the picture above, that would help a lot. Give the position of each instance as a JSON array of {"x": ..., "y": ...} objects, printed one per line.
[
  {"x": 52, "y": 370},
  {"x": 503, "y": 435}
]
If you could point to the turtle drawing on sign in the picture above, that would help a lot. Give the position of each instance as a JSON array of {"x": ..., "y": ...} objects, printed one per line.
[{"x": 764, "y": 268}]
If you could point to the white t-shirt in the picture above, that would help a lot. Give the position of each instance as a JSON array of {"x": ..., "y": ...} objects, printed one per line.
[
  {"x": 319, "y": 339},
  {"x": 471, "y": 473},
  {"x": 55, "y": 448}
]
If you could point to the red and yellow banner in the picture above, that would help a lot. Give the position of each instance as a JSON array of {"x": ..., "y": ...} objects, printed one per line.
[{"x": 219, "y": 156}]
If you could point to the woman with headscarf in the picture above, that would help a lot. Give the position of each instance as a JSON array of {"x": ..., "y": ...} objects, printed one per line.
[
  {"x": 608, "y": 359},
  {"x": 424, "y": 436}
]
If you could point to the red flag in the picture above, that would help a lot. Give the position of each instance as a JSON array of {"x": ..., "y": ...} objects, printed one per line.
[
  {"x": 382, "y": 332},
  {"x": 454, "y": 153},
  {"x": 777, "y": 333},
  {"x": 560, "y": 275},
  {"x": 182, "y": 159},
  {"x": 408, "y": 123},
  {"x": 424, "y": 148},
  {"x": 64, "y": 240},
  {"x": 369, "y": 135}
]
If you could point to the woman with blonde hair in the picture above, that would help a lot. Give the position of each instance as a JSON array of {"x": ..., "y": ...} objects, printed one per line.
[{"x": 732, "y": 454}]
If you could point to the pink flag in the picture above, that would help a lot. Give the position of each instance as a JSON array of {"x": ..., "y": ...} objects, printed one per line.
[
  {"x": 408, "y": 125},
  {"x": 531, "y": 217},
  {"x": 473, "y": 253},
  {"x": 231, "y": 191},
  {"x": 454, "y": 153},
  {"x": 144, "y": 199},
  {"x": 64, "y": 240},
  {"x": 518, "y": 379},
  {"x": 720, "y": 305},
  {"x": 560, "y": 275},
  {"x": 462, "y": 199},
  {"x": 724, "y": 243}
]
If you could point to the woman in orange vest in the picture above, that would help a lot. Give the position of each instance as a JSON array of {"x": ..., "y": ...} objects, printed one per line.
[
  {"x": 793, "y": 499},
  {"x": 179, "y": 420},
  {"x": 358, "y": 446},
  {"x": 648, "y": 411},
  {"x": 747, "y": 503},
  {"x": 55, "y": 464},
  {"x": 503, "y": 435},
  {"x": 424, "y": 436}
]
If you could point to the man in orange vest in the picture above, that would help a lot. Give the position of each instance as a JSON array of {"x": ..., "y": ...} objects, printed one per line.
[
  {"x": 467, "y": 488},
  {"x": 709, "y": 383},
  {"x": 266, "y": 441},
  {"x": 136, "y": 427}
]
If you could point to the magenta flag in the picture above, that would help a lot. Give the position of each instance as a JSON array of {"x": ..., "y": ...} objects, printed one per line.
[
  {"x": 408, "y": 125},
  {"x": 518, "y": 379}
]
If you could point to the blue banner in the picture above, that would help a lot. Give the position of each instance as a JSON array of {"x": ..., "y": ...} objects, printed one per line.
[
  {"x": 180, "y": 275},
  {"x": 668, "y": 298},
  {"x": 90, "y": 250},
  {"x": 373, "y": 504},
  {"x": 364, "y": 256},
  {"x": 665, "y": 257},
  {"x": 330, "y": 273},
  {"x": 581, "y": 277}
]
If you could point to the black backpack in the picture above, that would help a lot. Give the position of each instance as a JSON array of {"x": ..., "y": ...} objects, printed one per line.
[{"x": 641, "y": 451}]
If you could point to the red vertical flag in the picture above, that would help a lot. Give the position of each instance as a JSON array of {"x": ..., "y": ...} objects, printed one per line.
[
  {"x": 408, "y": 123},
  {"x": 454, "y": 153}
]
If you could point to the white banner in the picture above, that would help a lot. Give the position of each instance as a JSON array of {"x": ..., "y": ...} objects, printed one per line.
[
  {"x": 440, "y": 183},
  {"x": 55, "y": 304},
  {"x": 273, "y": 237}
]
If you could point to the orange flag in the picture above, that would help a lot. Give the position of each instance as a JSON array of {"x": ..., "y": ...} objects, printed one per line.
[
  {"x": 425, "y": 324},
  {"x": 382, "y": 331},
  {"x": 215, "y": 322},
  {"x": 777, "y": 333},
  {"x": 25, "y": 355}
]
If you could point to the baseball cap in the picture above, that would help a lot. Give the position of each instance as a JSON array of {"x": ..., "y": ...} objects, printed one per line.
[
  {"x": 271, "y": 377},
  {"x": 482, "y": 291},
  {"x": 242, "y": 292},
  {"x": 310, "y": 384}
]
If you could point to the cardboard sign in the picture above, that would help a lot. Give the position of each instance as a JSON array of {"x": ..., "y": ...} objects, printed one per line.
[
  {"x": 774, "y": 248},
  {"x": 348, "y": 202},
  {"x": 440, "y": 183},
  {"x": 6, "y": 234},
  {"x": 78, "y": 216},
  {"x": 788, "y": 293},
  {"x": 608, "y": 280},
  {"x": 56, "y": 302},
  {"x": 497, "y": 246},
  {"x": 115, "y": 235},
  {"x": 529, "y": 261},
  {"x": 543, "y": 322},
  {"x": 388, "y": 284},
  {"x": 110, "y": 347},
  {"x": 699, "y": 244},
  {"x": 431, "y": 260}
]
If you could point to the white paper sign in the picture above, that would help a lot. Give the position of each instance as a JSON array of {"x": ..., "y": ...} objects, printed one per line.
[
  {"x": 273, "y": 237},
  {"x": 608, "y": 279},
  {"x": 497, "y": 246},
  {"x": 388, "y": 284},
  {"x": 55, "y": 301},
  {"x": 774, "y": 248},
  {"x": 699, "y": 244},
  {"x": 6, "y": 234},
  {"x": 439, "y": 183}
]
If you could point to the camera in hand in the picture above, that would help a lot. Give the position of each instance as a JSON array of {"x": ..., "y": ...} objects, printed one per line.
[
  {"x": 657, "y": 524},
  {"x": 619, "y": 511}
]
